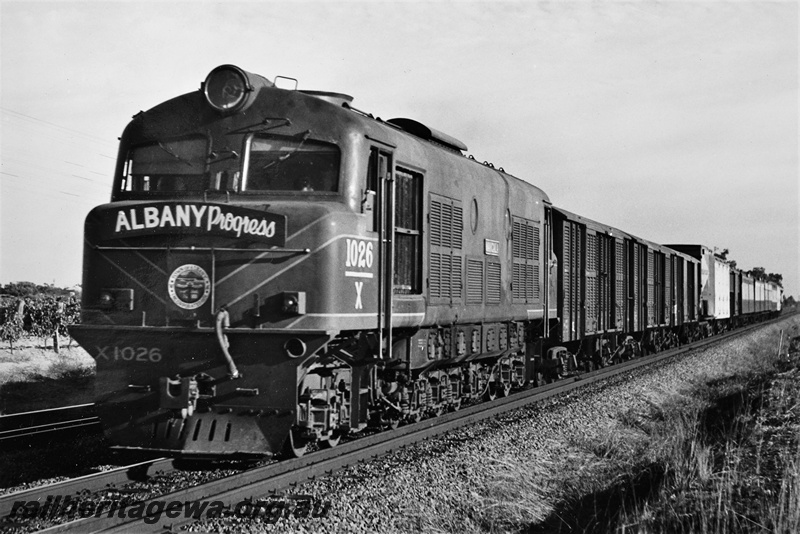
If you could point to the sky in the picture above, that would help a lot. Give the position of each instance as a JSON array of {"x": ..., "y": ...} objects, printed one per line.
[{"x": 674, "y": 121}]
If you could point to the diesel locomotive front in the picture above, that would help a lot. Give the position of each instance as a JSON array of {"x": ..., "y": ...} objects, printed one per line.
[{"x": 225, "y": 260}]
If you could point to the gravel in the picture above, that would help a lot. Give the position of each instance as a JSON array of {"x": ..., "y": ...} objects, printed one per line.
[{"x": 438, "y": 478}]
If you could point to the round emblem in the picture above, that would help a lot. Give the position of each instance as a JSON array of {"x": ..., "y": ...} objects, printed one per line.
[{"x": 189, "y": 286}]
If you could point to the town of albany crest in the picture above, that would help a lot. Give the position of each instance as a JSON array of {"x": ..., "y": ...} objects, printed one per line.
[{"x": 189, "y": 286}]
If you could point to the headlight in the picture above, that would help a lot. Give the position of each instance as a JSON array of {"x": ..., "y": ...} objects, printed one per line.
[
  {"x": 106, "y": 300},
  {"x": 294, "y": 302},
  {"x": 118, "y": 299},
  {"x": 228, "y": 88}
]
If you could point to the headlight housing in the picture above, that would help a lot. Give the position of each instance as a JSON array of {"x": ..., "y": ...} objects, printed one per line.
[
  {"x": 115, "y": 299},
  {"x": 229, "y": 89}
]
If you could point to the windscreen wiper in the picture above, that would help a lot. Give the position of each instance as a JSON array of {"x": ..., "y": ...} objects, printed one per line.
[
  {"x": 174, "y": 155},
  {"x": 288, "y": 155}
]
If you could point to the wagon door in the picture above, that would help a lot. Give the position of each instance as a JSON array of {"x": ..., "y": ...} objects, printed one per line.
[
  {"x": 650, "y": 288},
  {"x": 605, "y": 282},
  {"x": 572, "y": 288},
  {"x": 680, "y": 290},
  {"x": 692, "y": 285},
  {"x": 666, "y": 303},
  {"x": 593, "y": 296},
  {"x": 620, "y": 289},
  {"x": 636, "y": 294}
]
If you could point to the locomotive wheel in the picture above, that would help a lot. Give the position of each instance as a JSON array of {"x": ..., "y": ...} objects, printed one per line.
[
  {"x": 504, "y": 390},
  {"x": 332, "y": 441},
  {"x": 455, "y": 406},
  {"x": 295, "y": 445},
  {"x": 415, "y": 418},
  {"x": 393, "y": 423},
  {"x": 518, "y": 377},
  {"x": 540, "y": 379},
  {"x": 491, "y": 393}
]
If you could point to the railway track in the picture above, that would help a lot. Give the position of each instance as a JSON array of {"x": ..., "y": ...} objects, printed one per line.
[
  {"x": 113, "y": 477},
  {"x": 280, "y": 476},
  {"x": 47, "y": 424}
]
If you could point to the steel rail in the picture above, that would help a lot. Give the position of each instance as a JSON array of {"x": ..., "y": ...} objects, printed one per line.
[
  {"x": 282, "y": 475},
  {"x": 35, "y": 423},
  {"x": 6, "y": 419},
  {"x": 92, "y": 482}
]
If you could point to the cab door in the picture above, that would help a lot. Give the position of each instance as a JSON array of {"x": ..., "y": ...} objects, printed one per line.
[{"x": 381, "y": 182}]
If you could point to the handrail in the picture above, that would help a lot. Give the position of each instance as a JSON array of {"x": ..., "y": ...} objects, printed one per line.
[{"x": 210, "y": 249}]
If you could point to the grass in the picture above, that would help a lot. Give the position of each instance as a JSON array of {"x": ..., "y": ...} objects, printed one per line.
[
  {"x": 720, "y": 455},
  {"x": 34, "y": 377},
  {"x": 729, "y": 450}
]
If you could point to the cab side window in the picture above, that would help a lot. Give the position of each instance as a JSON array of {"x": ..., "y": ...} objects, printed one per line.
[{"x": 407, "y": 234}]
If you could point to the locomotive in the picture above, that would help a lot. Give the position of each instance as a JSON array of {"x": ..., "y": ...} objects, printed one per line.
[{"x": 277, "y": 268}]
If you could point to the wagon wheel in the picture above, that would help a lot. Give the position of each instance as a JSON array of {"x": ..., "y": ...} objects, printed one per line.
[{"x": 295, "y": 445}]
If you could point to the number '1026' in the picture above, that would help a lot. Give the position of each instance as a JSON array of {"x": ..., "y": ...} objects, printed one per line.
[{"x": 359, "y": 253}]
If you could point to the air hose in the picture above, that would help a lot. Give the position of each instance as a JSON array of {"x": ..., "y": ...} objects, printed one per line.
[{"x": 224, "y": 321}]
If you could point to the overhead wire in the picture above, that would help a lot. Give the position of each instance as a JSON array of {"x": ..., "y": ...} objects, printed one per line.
[
  {"x": 57, "y": 126},
  {"x": 25, "y": 165},
  {"x": 63, "y": 197},
  {"x": 26, "y": 168}
]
